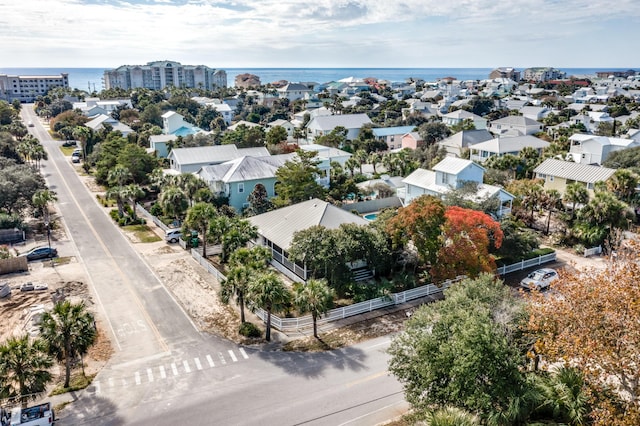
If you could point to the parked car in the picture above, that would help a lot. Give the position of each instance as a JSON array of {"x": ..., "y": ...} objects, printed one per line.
[
  {"x": 75, "y": 158},
  {"x": 172, "y": 235},
  {"x": 539, "y": 279},
  {"x": 30, "y": 124},
  {"x": 42, "y": 252}
]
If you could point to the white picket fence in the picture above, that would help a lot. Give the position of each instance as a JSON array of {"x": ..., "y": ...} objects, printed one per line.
[
  {"x": 305, "y": 322},
  {"x": 591, "y": 251},
  {"x": 149, "y": 216},
  {"x": 551, "y": 257}
]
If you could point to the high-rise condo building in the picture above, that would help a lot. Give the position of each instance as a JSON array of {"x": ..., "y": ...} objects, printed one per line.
[{"x": 160, "y": 74}]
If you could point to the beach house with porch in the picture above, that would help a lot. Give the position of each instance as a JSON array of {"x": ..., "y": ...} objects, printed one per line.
[{"x": 277, "y": 228}]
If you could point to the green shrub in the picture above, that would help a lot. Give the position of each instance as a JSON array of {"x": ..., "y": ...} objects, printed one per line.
[
  {"x": 10, "y": 221},
  {"x": 115, "y": 215},
  {"x": 156, "y": 210},
  {"x": 248, "y": 329}
]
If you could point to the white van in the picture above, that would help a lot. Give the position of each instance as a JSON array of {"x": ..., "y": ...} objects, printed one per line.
[{"x": 172, "y": 235}]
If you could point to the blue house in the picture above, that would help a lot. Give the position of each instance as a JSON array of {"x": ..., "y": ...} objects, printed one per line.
[{"x": 236, "y": 179}]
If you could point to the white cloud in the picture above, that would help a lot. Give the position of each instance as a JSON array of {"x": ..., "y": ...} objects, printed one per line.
[{"x": 282, "y": 32}]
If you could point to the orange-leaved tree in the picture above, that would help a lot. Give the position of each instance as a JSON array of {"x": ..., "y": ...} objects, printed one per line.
[
  {"x": 466, "y": 237},
  {"x": 421, "y": 223},
  {"x": 592, "y": 321}
]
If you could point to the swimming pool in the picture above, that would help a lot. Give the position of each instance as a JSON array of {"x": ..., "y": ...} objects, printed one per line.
[{"x": 371, "y": 216}]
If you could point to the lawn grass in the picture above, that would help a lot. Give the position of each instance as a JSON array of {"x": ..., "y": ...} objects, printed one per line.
[
  {"x": 67, "y": 150},
  {"x": 77, "y": 382},
  {"x": 143, "y": 233}
]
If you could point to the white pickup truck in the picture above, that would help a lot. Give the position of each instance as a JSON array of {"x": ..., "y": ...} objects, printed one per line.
[{"x": 38, "y": 415}]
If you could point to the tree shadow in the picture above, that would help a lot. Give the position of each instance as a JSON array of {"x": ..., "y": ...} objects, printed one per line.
[
  {"x": 312, "y": 365},
  {"x": 89, "y": 410}
]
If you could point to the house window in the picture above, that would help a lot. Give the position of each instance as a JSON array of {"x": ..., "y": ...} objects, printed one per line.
[
  {"x": 590, "y": 185},
  {"x": 240, "y": 188},
  {"x": 550, "y": 178}
]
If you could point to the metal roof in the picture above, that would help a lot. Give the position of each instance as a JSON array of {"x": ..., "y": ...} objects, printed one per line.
[
  {"x": 240, "y": 170},
  {"x": 389, "y": 131},
  {"x": 454, "y": 165},
  {"x": 574, "y": 171},
  {"x": 511, "y": 144},
  {"x": 213, "y": 154},
  {"x": 278, "y": 226},
  {"x": 348, "y": 121}
]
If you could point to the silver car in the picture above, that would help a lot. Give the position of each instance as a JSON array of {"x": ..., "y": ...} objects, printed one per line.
[{"x": 539, "y": 279}]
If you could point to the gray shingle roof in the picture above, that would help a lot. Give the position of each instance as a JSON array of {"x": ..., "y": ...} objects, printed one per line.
[
  {"x": 279, "y": 225},
  {"x": 574, "y": 171},
  {"x": 466, "y": 137},
  {"x": 240, "y": 170}
]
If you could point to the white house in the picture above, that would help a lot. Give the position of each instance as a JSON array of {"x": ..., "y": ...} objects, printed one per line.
[
  {"x": 294, "y": 91},
  {"x": 452, "y": 173},
  {"x": 454, "y": 144},
  {"x": 514, "y": 125},
  {"x": 457, "y": 117},
  {"x": 224, "y": 110},
  {"x": 590, "y": 149},
  {"x": 506, "y": 145},
  {"x": 174, "y": 124},
  {"x": 287, "y": 125},
  {"x": 103, "y": 120},
  {"x": 324, "y": 124}
]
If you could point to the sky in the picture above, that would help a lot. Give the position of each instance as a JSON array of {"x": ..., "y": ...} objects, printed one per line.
[{"x": 321, "y": 33}]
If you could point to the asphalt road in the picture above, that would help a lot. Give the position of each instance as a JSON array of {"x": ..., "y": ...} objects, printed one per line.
[{"x": 165, "y": 372}]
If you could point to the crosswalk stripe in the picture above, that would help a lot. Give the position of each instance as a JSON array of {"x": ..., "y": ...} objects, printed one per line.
[
  {"x": 211, "y": 364},
  {"x": 174, "y": 368},
  {"x": 150, "y": 375},
  {"x": 198, "y": 365},
  {"x": 186, "y": 366},
  {"x": 111, "y": 384},
  {"x": 222, "y": 360},
  {"x": 244, "y": 354},
  {"x": 163, "y": 375},
  {"x": 137, "y": 377},
  {"x": 233, "y": 356}
]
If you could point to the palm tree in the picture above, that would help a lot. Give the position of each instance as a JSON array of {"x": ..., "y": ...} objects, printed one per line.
[
  {"x": 361, "y": 157},
  {"x": 133, "y": 192},
  {"x": 351, "y": 165},
  {"x": 451, "y": 416},
  {"x": 69, "y": 331},
  {"x": 173, "y": 202},
  {"x": 233, "y": 234},
  {"x": 374, "y": 159},
  {"x": 623, "y": 183},
  {"x": 315, "y": 297},
  {"x": 236, "y": 285},
  {"x": 268, "y": 292},
  {"x": 551, "y": 200},
  {"x": 24, "y": 368},
  {"x": 41, "y": 200},
  {"x": 576, "y": 193},
  {"x": 119, "y": 195},
  {"x": 199, "y": 216},
  {"x": 564, "y": 396},
  {"x": 190, "y": 184},
  {"x": 119, "y": 175},
  {"x": 83, "y": 134}
]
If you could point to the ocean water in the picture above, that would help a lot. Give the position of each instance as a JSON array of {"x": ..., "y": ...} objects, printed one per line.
[{"x": 91, "y": 78}]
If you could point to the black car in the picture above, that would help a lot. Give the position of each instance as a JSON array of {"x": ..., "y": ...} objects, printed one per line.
[{"x": 40, "y": 253}]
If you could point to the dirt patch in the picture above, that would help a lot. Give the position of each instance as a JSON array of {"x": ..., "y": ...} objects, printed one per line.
[{"x": 350, "y": 334}]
